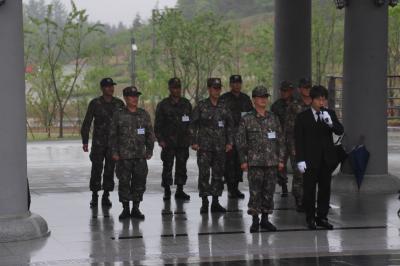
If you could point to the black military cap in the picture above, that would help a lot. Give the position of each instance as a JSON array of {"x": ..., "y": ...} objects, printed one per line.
[
  {"x": 304, "y": 83},
  {"x": 235, "y": 79},
  {"x": 105, "y": 82},
  {"x": 214, "y": 83},
  {"x": 174, "y": 83},
  {"x": 286, "y": 85},
  {"x": 131, "y": 91},
  {"x": 260, "y": 91}
]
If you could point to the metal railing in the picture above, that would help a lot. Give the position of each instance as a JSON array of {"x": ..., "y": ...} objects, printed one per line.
[{"x": 335, "y": 101}]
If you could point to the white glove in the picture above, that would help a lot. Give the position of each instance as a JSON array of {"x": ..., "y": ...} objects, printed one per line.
[
  {"x": 302, "y": 167},
  {"x": 327, "y": 118}
]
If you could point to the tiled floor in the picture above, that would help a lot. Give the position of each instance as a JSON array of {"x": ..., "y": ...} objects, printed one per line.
[{"x": 367, "y": 226}]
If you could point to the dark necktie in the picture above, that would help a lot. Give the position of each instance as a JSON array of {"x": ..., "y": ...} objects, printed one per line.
[{"x": 319, "y": 117}]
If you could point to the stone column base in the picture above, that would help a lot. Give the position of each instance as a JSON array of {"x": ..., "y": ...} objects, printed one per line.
[
  {"x": 380, "y": 184},
  {"x": 21, "y": 228}
]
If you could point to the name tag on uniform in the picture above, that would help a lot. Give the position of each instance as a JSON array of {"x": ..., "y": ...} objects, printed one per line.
[
  {"x": 220, "y": 123},
  {"x": 141, "y": 131},
  {"x": 185, "y": 118},
  {"x": 243, "y": 114},
  {"x": 272, "y": 135}
]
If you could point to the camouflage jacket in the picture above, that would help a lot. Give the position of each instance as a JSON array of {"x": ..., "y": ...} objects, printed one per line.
[
  {"x": 211, "y": 126},
  {"x": 280, "y": 108},
  {"x": 296, "y": 107},
  {"x": 172, "y": 122},
  {"x": 102, "y": 113},
  {"x": 238, "y": 105},
  {"x": 260, "y": 140},
  {"x": 131, "y": 134}
]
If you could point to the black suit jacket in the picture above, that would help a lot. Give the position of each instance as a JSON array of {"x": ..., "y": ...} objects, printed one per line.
[{"x": 314, "y": 141}]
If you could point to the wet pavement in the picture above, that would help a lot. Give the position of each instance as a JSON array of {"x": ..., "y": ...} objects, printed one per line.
[{"x": 366, "y": 226}]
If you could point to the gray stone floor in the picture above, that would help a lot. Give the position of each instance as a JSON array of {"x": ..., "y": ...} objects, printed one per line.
[{"x": 367, "y": 226}]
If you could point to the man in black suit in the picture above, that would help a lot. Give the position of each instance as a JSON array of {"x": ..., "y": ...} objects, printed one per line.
[{"x": 315, "y": 155}]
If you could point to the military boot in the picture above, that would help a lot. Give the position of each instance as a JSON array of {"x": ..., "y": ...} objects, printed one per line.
[
  {"x": 125, "y": 214},
  {"x": 216, "y": 207},
  {"x": 136, "y": 213},
  {"x": 204, "y": 205},
  {"x": 265, "y": 224},
  {"x": 239, "y": 194},
  {"x": 180, "y": 194},
  {"x": 95, "y": 200},
  {"x": 167, "y": 193},
  {"x": 255, "y": 226},
  {"x": 105, "y": 200},
  {"x": 285, "y": 192}
]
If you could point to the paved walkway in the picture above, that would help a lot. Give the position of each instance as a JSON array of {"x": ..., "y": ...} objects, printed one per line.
[{"x": 366, "y": 226}]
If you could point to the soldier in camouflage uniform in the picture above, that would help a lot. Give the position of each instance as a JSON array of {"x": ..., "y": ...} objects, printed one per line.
[
  {"x": 239, "y": 104},
  {"x": 279, "y": 108},
  {"x": 171, "y": 128},
  {"x": 101, "y": 109},
  {"x": 261, "y": 153},
  {"x": 211, "y": 131},
  {"x": 296, "y": 107},
  {"x": 131, "y": 142}
]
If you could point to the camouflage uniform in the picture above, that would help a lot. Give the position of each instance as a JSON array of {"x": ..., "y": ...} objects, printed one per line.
[
  {"x": 279, "y": 108},
  {"x": 260, "y": 141},
  {"x": 238, "y": 105},
  {"x": 132, "y": 139},
  {"x": 172, "y": 127},
  {"x": 102, "y": 113},
  {"x": 211, "y": 129},
  {"x": 296, "y": 107}
]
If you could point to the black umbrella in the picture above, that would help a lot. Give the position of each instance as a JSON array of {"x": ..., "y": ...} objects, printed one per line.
[{"x": 359, "y": 158}]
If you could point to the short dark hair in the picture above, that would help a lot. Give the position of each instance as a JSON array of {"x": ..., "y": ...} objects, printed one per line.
[{"x": 318, "y": 91}]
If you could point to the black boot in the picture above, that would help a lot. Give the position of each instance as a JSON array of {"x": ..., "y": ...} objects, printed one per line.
[
  {"x": 105, "y": 200},
  {"x": 285, "y": 192},
  {"x": 180, "y": 194},
  {"x": 167, "y": 193},
  {"x": 255, "y": 226},
  {"x": 204, "y": 205},
  {"x": 215, "y": 206},
  {"x": 125, "y": 214},
  {"x": 265, "y": 224},
  {"x": 95, "y": 200},
  {"x": 136, "y": 213}
]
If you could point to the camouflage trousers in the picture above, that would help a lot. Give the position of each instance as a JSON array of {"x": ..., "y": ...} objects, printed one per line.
[
  {"x": 233, "y": 173},
  {"x": 214, "y": 161},
  {"x": 297, "y": 182},
  {"x": 132, "y": 175},
  {"x": 262, "y": 182},
  {"x": 100, "y": 155},
  {"x": 181, "y": 156}
]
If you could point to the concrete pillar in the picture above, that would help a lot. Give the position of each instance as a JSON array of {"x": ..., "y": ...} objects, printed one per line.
[
  {"x": 365, "y": 93},
  {"x": 292, "y": 41},
  {"x": 16, "y": 222}
]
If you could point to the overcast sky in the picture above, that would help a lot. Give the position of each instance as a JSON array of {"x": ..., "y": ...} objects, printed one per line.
[{"x": 114, "y": 11}]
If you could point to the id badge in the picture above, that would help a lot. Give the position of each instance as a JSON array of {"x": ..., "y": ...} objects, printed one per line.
[
  {"x": 272, "y": 135},
  {"x": 141, "y": 131},
  {"x": 185, "y": 118},
  {"x": 220, "y": 123}
]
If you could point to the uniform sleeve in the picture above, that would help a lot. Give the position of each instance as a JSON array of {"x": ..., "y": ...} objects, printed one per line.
[
  {"x": 337, "y": 126},
  {"x": 113, "y": 137},
  {"x": 281, "y": 140},
  {"x": 87, "y": 122},
  {"x": 241, "y": 143},
  {"x": 288, "y": 124},
  {"x": 158, "y": 123},
  {"x": 195, "y": 125},
  {"x": 150, "y": 138}
]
